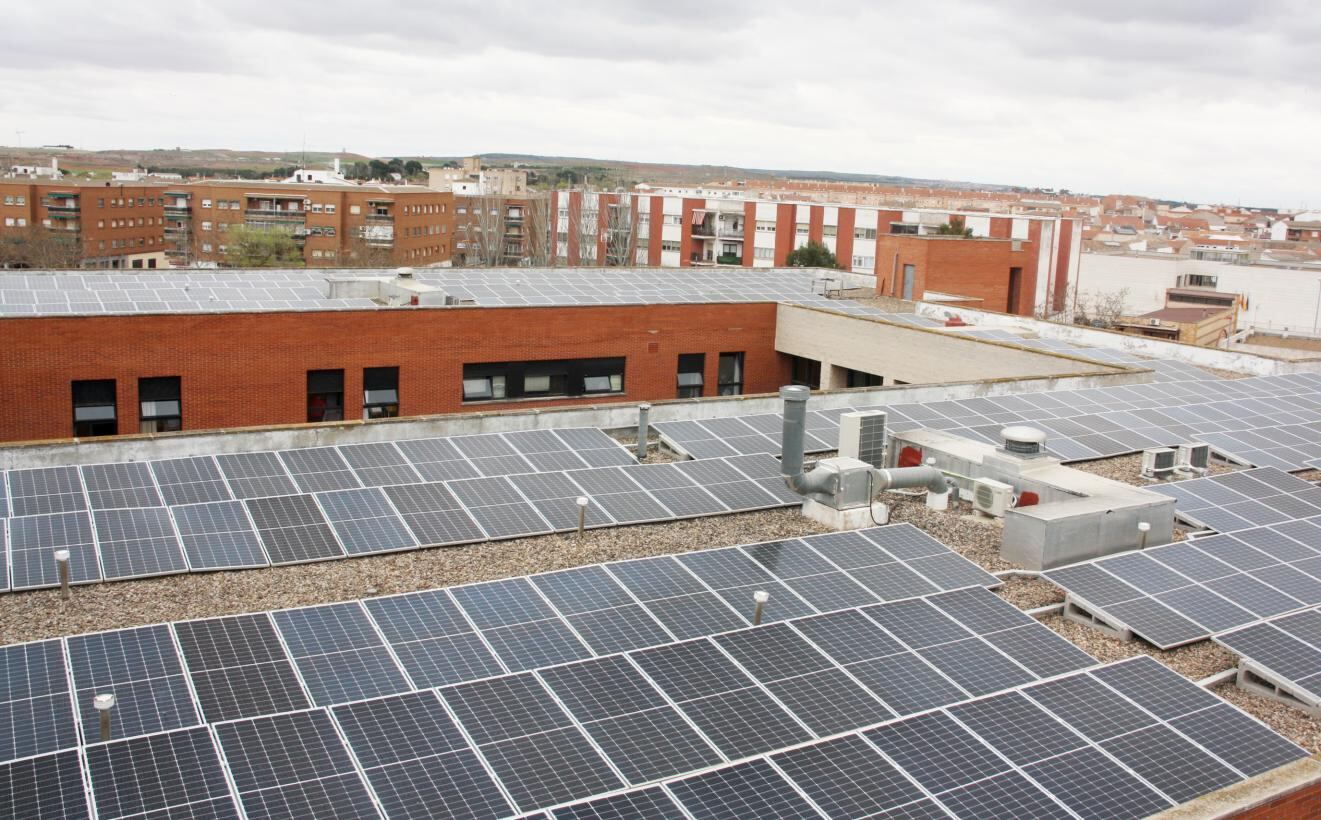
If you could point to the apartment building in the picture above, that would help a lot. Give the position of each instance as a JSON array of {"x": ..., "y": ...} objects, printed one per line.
[
  {"x": 501, "y": 230},
  {"x": 333, "y": 224},
  {"x": 108, "y": 225},
  {"x": 1038, "y": 255}
]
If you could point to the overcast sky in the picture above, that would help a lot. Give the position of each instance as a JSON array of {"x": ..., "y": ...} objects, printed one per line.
[{"x": 1207, "y": 100}]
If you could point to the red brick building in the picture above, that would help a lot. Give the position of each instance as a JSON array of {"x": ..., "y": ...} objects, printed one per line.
[
  {"x": 112, "y": 226},
  {"x": 99, "y": 375}
]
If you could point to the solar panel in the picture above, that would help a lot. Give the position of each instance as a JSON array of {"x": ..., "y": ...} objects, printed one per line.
[
  {"x": 45, "y": 490},
  {"x": 49, "y": 787},
  {"x": 434, "y": 642},
  {"x": 141, "y": 668},
  {"x": 338, "y": 653},
  {"x": 238, "y": 667},
  {"x": 33, "y": 541},
  {"x": 379, "y": 463},
  {"x": 498, "y": 508},
  {"x": 191, "y": 480},
  {"x": 417, "y": 761},
  {"x": 36, "y": 715},
  {"x": 177, "y": 770},
  {"x": 293, "y": 529},
  {"x": 293, "y": 765},
  {"x": 318, "y": 469},
  {"x": 531, "y": 744},
  {"x": 651, "y": 804},
  {"x": 218, "y": 535},
  {"x": 137, "y": 543},
  {"x": 111, "y": 486},
  {"x": 434, "y": 515},
  {"x": 365, "y": 522},
  {"x": 752, "y": 789},
  {"x": 255, "y": 475}
]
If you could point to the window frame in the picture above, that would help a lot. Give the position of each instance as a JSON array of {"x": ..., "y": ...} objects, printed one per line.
[
  {"x": 332, "y": 407},
  {"x": 91, "y": 426},
  {"x": 732, "y": 387},
  {"x": 155, "y": 418},
  {"x": 375, "y": 380}
]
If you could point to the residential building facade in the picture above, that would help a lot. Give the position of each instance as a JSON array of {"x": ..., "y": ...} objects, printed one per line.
[{"x": 109, "y": 225}]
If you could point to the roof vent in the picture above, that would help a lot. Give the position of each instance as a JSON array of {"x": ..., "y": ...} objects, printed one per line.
[
  {"x": 404, "y": 273},
  {"x": 1023, "y": 441}
]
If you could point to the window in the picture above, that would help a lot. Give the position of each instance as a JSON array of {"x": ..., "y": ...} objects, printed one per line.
[
  {"x": 864, "y": 233},
  {"x": 355, "y": 209},
  {"x": 668, "y": 245},
  {"x": 765, "y": 226},
  {"x": 206, "y": 203},
  {"x": 801, "y": 228},
  {"x": 159, "y": 405},
  {"x": 330, "y": 209},
  {"x": 806, "y": 372},
  {"x": 516, "y": 380},
  {"x": 830, "y": 230},
  {"x": 763, "y": 253},
  {"x": 691, "y": 378},
  {"x": 325, "y": 395},
  {"x": 857, "y": 378},
  {"x": 868, "y": 262},
  {"x": 94, "y": 408},
  {"x": 730, "y": 374},
  {"x": 380, "y": 392},
  {"x": 673, "y": 219},
  {"x": 902, "y": 228}
]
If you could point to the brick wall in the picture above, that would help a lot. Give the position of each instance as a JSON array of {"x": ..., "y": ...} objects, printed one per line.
[
  {"x": 247, "y": 369},
  {"x": 978, "y": 268},
  {"x": 1304, "y": 801}
]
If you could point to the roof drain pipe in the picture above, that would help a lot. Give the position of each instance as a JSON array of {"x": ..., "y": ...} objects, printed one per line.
[{"x": 791, "y": 449}]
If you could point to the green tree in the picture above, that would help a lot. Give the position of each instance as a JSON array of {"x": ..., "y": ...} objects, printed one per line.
[
  {"x": 250, "y": 247},
  {"x": 812, "y": 255},
  {"x": 413, "y": 168},
  {"x": 954, "y": 228}
]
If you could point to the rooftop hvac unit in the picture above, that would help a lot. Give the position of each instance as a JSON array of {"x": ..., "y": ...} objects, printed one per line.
[
  {"x": 990, "y": 497},
  {"x": 1195, "y": 457},
  {"x": 862, "y": 436},
  {"x": 1158, "y": 462}
]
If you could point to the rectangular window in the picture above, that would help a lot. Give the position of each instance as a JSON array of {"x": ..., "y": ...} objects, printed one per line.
[
  {"x": 325, "y": 395},
  {"x": 667, "y": 245},
  {"x": 159, "y": 405},
  {"x": 763, "y": 253},
  {"x": 902, "y": 228},
  {"x": 692, "y": 379},
  {"x": 673, "y": 219},
  {"x": 330, "y": 209},
  {"x": 864, "y": 233},
  {"x": 94, "y": 408},
  {"x": 765, "y": 226},
  {"x": 830, "y": 230},
  {"x": 206, "y": 203},
  {"x": 807, "y": 372},
  {"x": 380, "y": 392},
  {"x": 801, "y": 228},
  {"x": 730, "y": 374},
  {"x": 857, "y": 378},
  {"x": 495, "y": 381},
  {"x": 868, "y": 262}
]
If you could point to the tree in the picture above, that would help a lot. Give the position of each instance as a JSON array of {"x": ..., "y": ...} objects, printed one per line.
[
  {"x": 413, "y": 168},
  {"x": 812, "y": 255},
  {"x": 954, "y": 228},
  {"x": 39, "y": 247},
  {"x": 1099, "y": 308},
  {"x": 250, "y": 247},
  {"x": 537, "y": 225}
]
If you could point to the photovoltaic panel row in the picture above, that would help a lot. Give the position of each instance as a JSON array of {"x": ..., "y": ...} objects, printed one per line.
[
  {"x": 131, "y": 542},
  {"x": 1190, "y": 590},
  {"x": 1124, "y": 740},
  {"x": 1266, "y": 421},
  {"x": 1241, "y": 500},
  {"x": 1128, "y": 738},
  {"x": 248, "y": 665},
  {"x": 1282, "y": 655}
]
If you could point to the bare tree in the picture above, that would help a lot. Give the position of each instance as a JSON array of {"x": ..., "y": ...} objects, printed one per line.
[
  {"x": 537, "y": 227},
  {"x": 1100, "y": 308},
  {"x": 621, "y": 233},
  {"x": 37, "y": 246},
  {"x": 358, "y": 250}
]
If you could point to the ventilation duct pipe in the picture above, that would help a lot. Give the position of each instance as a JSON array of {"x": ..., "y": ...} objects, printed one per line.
[{"x": 791, "y": 447}]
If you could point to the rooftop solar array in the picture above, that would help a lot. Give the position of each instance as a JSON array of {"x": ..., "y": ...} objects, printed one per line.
[
  {"x": 1284, "y": 653},
  {"x": 242, "y": 510},
  {"x": 954, "y": 701},
  {"x": 1190, "y": 590},
  {"x": 1270, "y": 421},
  {"x": 179, "y": 291},
  {"x": 1245, "y": 499}
]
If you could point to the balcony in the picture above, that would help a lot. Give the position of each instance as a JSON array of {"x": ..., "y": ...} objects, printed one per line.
[
  {"x": 704, "y": 229},
  {"x": 274, "y": 213},
  {"x": 383, "y": 218},
  {"x": 61, "y": 205},
  {"x": 729, "y": 259},
  {"x": 731, "y": 233},
  {"x": 178, "y": 211}
]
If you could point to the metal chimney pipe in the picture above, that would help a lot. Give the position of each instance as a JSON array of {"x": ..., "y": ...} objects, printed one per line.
[
  {"x": 791, "y": 448},
  {"x": 644, "y": 416}
]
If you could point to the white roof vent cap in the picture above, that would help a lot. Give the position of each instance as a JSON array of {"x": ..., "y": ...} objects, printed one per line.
[
  {"x": 1025, "y": 441},
  {"x": 404, "y": 273}
]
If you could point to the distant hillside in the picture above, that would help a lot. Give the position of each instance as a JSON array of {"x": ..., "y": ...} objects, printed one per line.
[{"x": 606, "y": 171}]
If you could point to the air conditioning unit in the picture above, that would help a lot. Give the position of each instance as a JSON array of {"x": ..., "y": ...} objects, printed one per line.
[
  {"x": 862, "y": 436},
  {"x": 1158, "y": 462},
  {"x": 990, "y": 497},
  {"x": 1194, "y": 457}
]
